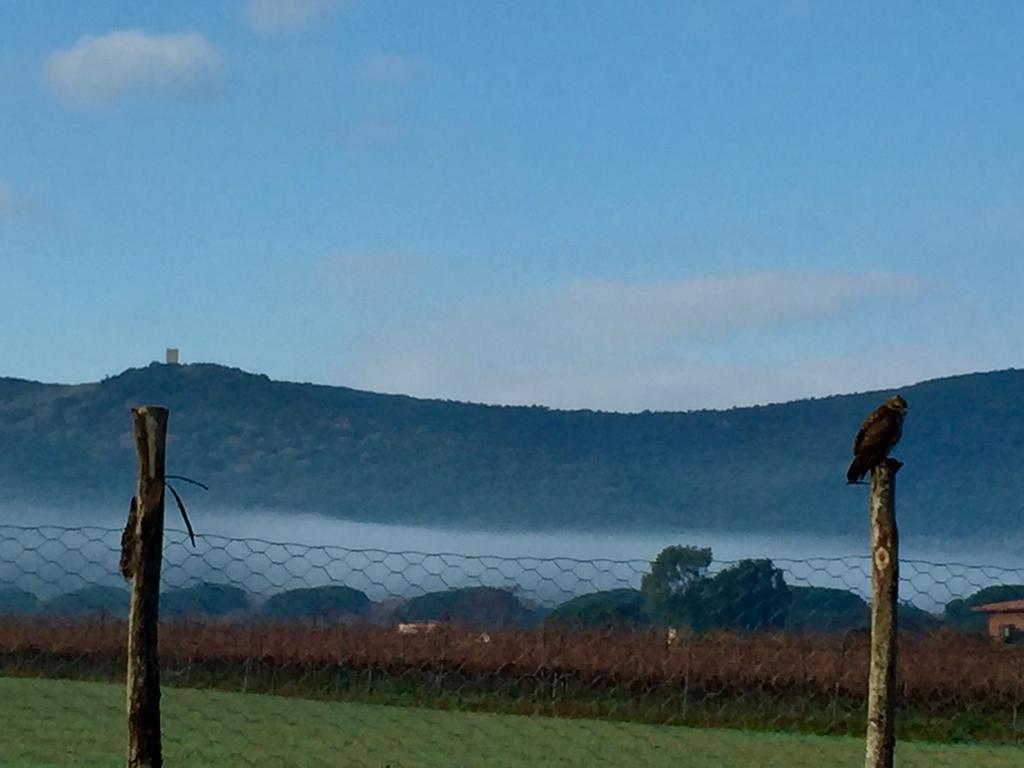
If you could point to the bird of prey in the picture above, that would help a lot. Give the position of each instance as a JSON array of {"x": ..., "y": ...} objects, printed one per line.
[{"x": 876, "y": 437}]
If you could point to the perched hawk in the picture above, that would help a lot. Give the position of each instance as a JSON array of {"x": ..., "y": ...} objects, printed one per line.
[{"x": 876, "y": 437}]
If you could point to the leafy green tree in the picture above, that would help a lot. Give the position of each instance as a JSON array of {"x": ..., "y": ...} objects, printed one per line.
[
  {"x": 326, "y": 602},
  {"x": 601, "y": 610},
  {"x": 750, "y": 595},
  {"x": 959, "y": 613},
  {"x": 204, "y": 599},
  {"x": 14, "y": 601},
  {"x": 825, "y": 609},
  {"x": 669, "y": 588}
]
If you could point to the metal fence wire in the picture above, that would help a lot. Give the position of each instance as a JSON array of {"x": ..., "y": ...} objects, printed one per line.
[{"x": 287, "y": 654}]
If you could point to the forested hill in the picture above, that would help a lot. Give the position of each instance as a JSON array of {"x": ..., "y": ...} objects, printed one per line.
[{"x": 358, "y": 455}]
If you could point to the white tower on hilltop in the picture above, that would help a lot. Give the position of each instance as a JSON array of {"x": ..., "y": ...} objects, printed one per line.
[{"x": 172, "y": 355}]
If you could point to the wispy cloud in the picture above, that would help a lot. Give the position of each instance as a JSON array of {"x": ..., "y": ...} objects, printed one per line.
[
  {"x": 707, "y": 307},
  {"x": 101, "y": 69},
  {"x": 630, "y": 346},
  {"x": 385, "y": 69},
  {"x": 274, "y": 15}
]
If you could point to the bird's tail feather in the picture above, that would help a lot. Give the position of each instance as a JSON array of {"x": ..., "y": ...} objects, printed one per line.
[{"x": 858, "y": 468}]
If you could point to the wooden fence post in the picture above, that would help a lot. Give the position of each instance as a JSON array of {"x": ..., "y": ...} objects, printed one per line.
[
  {"x": 885, "y": 578},
  {"x": 141, "y": 555}
]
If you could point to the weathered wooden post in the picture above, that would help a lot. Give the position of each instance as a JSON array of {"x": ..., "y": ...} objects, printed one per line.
[
  {"x": 885, "y": 577},
  {"x": 141, "y": 555}
]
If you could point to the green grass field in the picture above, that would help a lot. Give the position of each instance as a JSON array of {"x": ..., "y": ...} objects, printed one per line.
[{"x": 61, "y": 723}]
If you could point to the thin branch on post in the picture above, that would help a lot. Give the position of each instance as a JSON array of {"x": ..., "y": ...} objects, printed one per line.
[
  {"x": 885, "y": 577},
  {"x": 141, "y": 555}
]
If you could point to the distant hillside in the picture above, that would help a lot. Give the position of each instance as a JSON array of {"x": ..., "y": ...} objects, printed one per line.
[{"x": 364, "y": 456}]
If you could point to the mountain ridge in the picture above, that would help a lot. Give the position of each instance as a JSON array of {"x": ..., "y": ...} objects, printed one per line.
[
  {"x": 393, "y": 458},
  {"x": 17, "y": 380}
]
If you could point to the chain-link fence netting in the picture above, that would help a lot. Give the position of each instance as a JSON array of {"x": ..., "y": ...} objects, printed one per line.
[{"x": 286, "y": 654}]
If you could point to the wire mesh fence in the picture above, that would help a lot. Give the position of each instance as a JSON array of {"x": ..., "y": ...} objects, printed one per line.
[{"x": 287, "y": 654}]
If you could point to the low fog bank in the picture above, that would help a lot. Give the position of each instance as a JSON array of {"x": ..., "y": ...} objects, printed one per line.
[
  {"x": 285, "y": 551},
  {"x": 317, "y": 530}
]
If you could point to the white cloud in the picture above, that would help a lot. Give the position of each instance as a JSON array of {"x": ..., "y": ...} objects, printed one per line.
[
  {"x": 385, "y": 69},
  {"x": 706, "y": 342},
  {"x": 100, "y": 69},
  {"x": 271, "y": 15}
]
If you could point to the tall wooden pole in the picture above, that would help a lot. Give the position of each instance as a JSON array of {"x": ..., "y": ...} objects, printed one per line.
[
  {"x": 141, "y": 555},
  {"x": 885, "y": 578}
]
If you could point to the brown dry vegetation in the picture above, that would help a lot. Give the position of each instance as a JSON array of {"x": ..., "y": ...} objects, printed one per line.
[{"x": 814, "y": 682}]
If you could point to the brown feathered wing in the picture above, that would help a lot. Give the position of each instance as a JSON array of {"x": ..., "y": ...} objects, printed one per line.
[{"x": 875, "y": 438}]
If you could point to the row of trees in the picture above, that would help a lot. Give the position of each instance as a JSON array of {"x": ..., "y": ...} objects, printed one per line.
[
  {"x": 678, "y": 591},
  {"x": 478, "y": 606},
  {"x": 201, "y": 599},
  {"x": 751, "y": 595}
]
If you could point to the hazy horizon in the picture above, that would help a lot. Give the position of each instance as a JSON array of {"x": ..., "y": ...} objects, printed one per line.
[
  {"x": 600, "y": 560},
  {"x": 882, "y": 389}
]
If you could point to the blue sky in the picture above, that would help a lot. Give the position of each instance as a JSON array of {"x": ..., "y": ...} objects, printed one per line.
[{"x": 614, "y": 205}]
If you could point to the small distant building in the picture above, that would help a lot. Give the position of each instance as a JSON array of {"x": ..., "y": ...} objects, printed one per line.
[
  {"x": 172, "y": 355},
  {"x": 419, "y": 627},
  {"x": 1005, "y": 620}
]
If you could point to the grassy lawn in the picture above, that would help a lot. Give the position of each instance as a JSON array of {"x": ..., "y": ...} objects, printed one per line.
[{"x": 61, "y": 723}]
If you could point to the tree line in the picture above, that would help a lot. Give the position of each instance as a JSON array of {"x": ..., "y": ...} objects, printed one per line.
[{"x": 678, "y": 591}]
